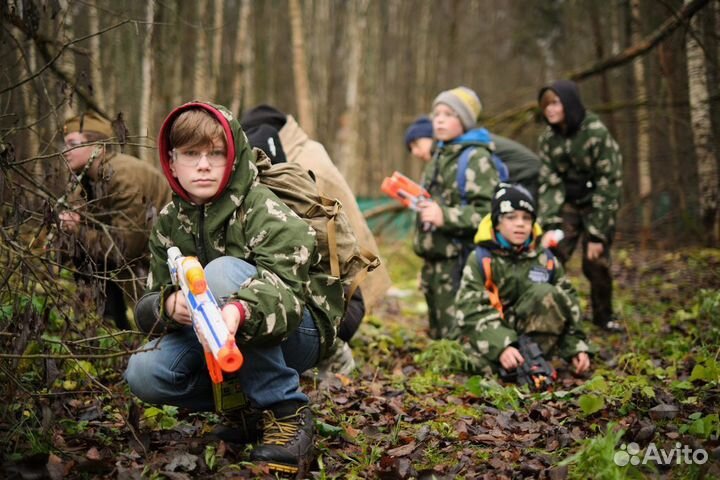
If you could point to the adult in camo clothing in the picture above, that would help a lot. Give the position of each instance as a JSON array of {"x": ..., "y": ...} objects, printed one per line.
[
  {"x": 580, "y": 185},
  {"x": 446, "y": 223},
  {"x": 262, "y": 259},
  {"x": 537, "y": 299}
]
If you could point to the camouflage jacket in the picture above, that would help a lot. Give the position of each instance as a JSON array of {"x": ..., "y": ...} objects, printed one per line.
[
  {"x": 122, "y": 204},
  {"x": 249, "y": 222},
  {"x": 589, "y": 162},
  {"x": 440, "y": 180},
  {"x": 480, "y": 325}
]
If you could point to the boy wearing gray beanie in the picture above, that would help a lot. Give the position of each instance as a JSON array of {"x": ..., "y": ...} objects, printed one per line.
[{"x": 460, "y": 178}]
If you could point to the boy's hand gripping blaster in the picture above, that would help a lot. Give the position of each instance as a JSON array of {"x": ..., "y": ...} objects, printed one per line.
[
  {"x": 404, "y": 190},
  {"x": 223, "y": 354}
]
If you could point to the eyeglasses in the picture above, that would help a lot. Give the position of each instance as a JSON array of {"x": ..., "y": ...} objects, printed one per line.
[{"x": 191, "y": 158}]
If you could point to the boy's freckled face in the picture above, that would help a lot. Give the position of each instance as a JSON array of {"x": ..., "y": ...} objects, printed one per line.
[
  {"x": 199, "y": 170},
  {"x": 422, "y": 148},
  {"x": 446, "y": 123},
  {"x": 515, "y": 226}
]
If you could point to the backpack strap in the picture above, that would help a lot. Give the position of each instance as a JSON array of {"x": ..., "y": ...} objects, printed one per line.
[
  {"x": 371, "y": 263},
  {"x": 502, "y": 169},
  {"x": 550, "y": 265},
  {"x": 464, "y": 161},
  {"x": 461, "y": 177},
  {"x": 484, "y": 258}
]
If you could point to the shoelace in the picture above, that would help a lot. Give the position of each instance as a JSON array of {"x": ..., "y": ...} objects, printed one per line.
[{"x": 279, "y": 431}]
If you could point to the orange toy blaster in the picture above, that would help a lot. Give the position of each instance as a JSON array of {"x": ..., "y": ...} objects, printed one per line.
[
  {"x": 404, "y": 190},
  {"x": 221, "y": 352}
]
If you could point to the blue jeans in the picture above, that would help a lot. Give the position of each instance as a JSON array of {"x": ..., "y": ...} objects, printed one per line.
[{"x": 171, "y": 370}]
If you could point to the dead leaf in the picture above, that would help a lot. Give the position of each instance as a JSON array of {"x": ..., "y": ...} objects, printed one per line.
[
  {"x": 402, "y": 450},
  {"x": 93, "y": 454}
]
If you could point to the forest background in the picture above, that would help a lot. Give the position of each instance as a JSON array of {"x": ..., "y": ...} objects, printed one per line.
[{"x": 355, "y": 73}]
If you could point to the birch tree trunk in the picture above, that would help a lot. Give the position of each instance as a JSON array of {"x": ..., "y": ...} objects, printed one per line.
[
  {"x": 147, "y": 77},
  {"x": 348, "y": 131},
  {"x": 702, "y": 132},
  {"x": 241, "y": 95},
  {"x": 643, "y": 132},
  {"x": 302, "y": 88},
  {"x": 96, "y": 56}
]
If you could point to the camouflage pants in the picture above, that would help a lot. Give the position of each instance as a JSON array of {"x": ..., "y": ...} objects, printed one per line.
[
  {"x": 596, "y": 271},
  {"x": 541, "y": 312},
  {"x": 439, "y": 284}
]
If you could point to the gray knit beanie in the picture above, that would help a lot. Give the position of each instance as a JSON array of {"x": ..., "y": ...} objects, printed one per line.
[{"x": 465, "y": 102}]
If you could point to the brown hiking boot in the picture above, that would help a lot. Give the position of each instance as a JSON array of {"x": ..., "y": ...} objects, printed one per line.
[
  {"x": 239, "y": 426},
  {"x": 288, "y": 439}
]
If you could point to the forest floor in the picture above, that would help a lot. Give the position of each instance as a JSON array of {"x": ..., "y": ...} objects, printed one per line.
[{"x": 649, "y": 407}]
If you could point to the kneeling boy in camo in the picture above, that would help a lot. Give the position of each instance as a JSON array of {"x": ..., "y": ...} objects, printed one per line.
[
  {"x": 511, "y": 286},
  {"x": 262, "y": 259}
]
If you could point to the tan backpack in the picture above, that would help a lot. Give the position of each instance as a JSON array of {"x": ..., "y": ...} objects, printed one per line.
[{"x": 341, "y": 254}]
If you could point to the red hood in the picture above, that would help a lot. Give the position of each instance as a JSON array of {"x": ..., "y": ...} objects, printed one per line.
[{"x": 164, "y": 146}]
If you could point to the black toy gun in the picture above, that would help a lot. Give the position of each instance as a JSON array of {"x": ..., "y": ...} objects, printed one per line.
[{"x": 535, "y": 371}]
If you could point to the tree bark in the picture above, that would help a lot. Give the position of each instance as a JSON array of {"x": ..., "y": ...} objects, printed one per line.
[
  {"x": 702, "y": 133},
  {"x": 641, "y": 45},
  {"x": 147, "y": 78},
  {"x": 241, "y": 95},
  {"x": 302, "y": 87},
  {"x": 643, "y": 132},
  {"x": 216, "y": 54},
  {"x": 200, "y": 68},
  {"x": 96, "y": 56},
  {"x": 348, "y": 131}
]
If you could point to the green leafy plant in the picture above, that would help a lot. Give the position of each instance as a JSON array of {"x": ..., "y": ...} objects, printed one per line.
[
  {"x": 706, "y": 427},
  {"x": 443, "y": 356},
  {"x": 161, "y": 418},
  {"x": 596, "y": 458}
]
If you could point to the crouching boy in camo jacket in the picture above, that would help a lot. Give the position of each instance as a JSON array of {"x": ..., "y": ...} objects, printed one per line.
[
  {"x": 511, "y": 286},
  {"x": 262, "y": 259}
]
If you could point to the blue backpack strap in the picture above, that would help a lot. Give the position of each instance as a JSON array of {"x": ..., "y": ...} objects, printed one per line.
[
  {"x": 550, "y": 265},
  {"x": 461, "y": 178},
  {"x": 503, "y": 170},
  {"x": 480, "y": 254}
]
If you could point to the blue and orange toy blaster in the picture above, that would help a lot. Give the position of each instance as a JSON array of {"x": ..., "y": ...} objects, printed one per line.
[
  {"x": 221, "y": 352},
  {"x": 404, "y": 190}
]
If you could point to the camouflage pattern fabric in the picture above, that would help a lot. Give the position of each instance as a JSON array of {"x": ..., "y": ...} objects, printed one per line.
[
  {"x": 546, "y": 310},
  {"x": 248, "y": 221},
  {"x": 590, "y": 155},
  {"x": 437, "y": 282},
  {"x": 445, "y": 247}
]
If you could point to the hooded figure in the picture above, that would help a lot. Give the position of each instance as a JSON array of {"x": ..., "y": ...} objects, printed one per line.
[{"x": 580, "y": 186}]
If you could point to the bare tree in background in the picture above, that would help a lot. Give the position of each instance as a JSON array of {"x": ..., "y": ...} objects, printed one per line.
[
  {"x": 702, "y": 131},
  {"x": 96, "y": 55},
  {"x": 302, "y": 87},
  {"x": 348, "y": 135},
  {"x": 201, "y": 74},
  {"x": 242, "y": 60},
  {"x": 643, "y": 128},
  {"x": 216, "y": 53},
  {"x": 147, "y": 78}
]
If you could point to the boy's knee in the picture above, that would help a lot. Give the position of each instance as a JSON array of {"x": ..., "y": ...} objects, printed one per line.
[
  {"x": 137, "y": 376},
  {"x": 225, "y": 274}
]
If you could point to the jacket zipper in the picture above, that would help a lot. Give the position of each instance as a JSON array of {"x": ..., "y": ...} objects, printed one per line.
[{"x": 200, "y": 242}]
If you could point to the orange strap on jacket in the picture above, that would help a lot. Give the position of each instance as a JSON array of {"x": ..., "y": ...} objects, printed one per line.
[{"x": 492, "y": 289}]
